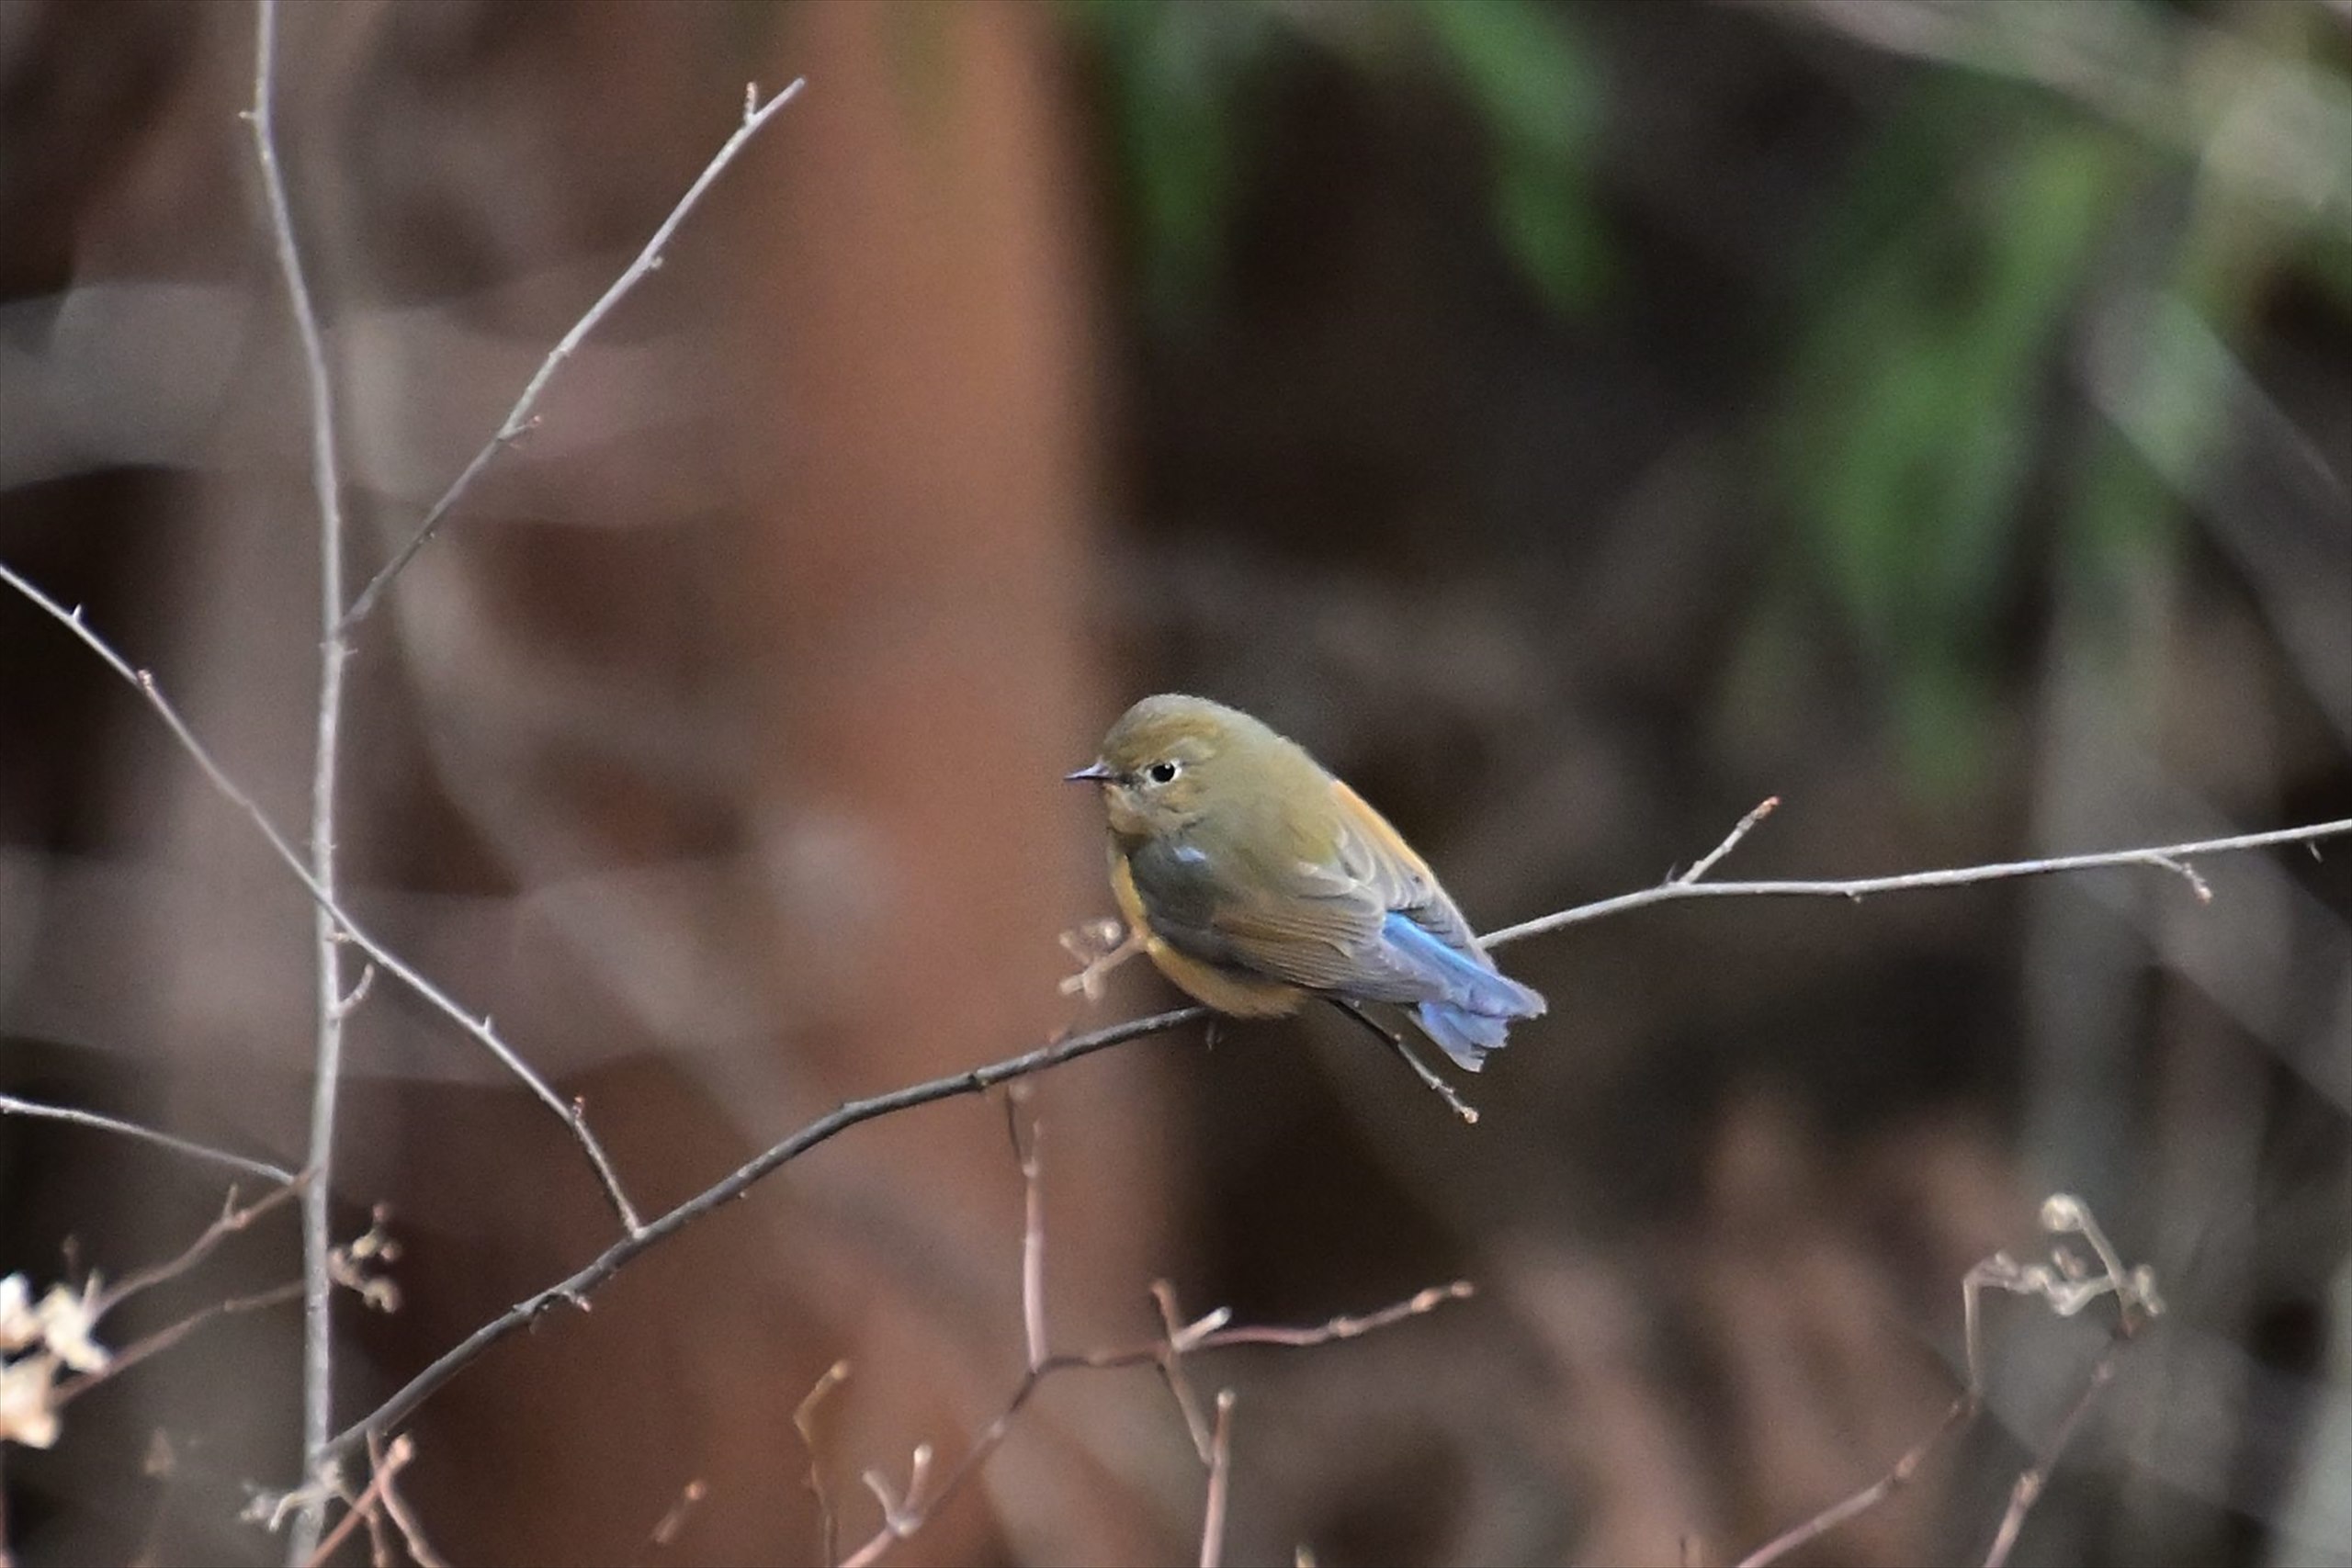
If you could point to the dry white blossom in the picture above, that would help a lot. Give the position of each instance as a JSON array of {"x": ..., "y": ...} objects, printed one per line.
[
  {"x": 68, "y": 1319},
  {"x": 18, "y": 1325},
  {"x": 2063, "y": 1214},
  {"x": 27, "y": 1403}
]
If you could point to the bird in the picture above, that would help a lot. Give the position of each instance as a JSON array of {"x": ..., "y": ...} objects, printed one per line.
[{"x": 1256, "y": 880}]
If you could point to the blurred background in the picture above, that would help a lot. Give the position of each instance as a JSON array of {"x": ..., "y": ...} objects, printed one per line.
[{"x": 1573, "y": 422}]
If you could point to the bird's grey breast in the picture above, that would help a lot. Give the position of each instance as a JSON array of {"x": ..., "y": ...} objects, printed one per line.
[{"x": 1174, "y": 878}]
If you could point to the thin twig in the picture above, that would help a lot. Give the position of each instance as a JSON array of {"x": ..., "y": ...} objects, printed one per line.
[
  {"x": 2066, "y": 1289},
  {"x": 480, "y": 1029},
  {"x": 1220, "y": 1482},
  {"x": 334, "y": 653},
  {"x": 1339, "y": 1329},
  {"x": 2172, "y": 858},
  {"x": 1964, "y": 1411},
  {"x": 1170, "y": 1360},
  {"x": 903, "y": 1516},
  {"x": 12, "y": 1106},
  {"x": 1405, "y": 1053},
  {"x": 1740, "y": 830},
  {"x": 519, "y": 418},
  {"x": 395, "y": 1457},
  {"x": 2029, "y": 1482},
  {"x": 580, "y": 1285},
  {"x": 163, "y": 1339},
  {"x": 804, "y": 1421},
  {"x": 666, "y": 1529},
  {"x": 1033, "y": 1224},
  {"x": 403, "y": 1517},
  {"x": 230, "y": 1221}
]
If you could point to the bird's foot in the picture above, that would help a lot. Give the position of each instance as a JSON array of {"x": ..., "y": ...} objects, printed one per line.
[{"x": 1100, "y": 946}]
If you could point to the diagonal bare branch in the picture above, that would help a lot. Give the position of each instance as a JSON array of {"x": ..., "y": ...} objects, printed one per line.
[
  {"x": 10, "y": 1105},
  {"x": 385, "y": 959},
  {"x": 520, "y": 418},
  {"x": 618, "y": 1257}
]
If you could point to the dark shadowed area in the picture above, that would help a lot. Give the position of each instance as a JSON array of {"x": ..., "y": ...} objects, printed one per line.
[{"x": 1574, "y": 423}]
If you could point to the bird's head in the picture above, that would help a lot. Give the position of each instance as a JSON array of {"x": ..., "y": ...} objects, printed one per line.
[{"x": 1168, "y": 758}]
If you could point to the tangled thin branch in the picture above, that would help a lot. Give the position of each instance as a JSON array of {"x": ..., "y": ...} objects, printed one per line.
[
  {"x": 2066, "y": 1284},
  {"x": 928, "y": 1489}
]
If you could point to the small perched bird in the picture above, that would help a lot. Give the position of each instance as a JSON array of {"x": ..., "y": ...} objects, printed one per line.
[{"x": 1256, "y": 880}]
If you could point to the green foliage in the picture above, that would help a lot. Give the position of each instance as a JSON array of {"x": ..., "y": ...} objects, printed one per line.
[
  {"x": 1180, "y": 78},
  {"x": 1184, "y": 79},
  {"x": 1539, "y": 94},
  {"x": 1922, "y": 386}
]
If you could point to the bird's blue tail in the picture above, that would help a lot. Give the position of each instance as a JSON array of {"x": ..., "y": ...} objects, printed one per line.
[{"x": 1472, "y": 1011}]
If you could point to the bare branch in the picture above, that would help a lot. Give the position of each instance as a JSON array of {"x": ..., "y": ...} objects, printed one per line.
[
  {"x": 618, "y": 1257},
  {"x": 2067, "y": 1286},
  {"x": 396, "y": 1458},
  {"x": 804, "y": 1421},
  {"x": 579, "y": 1286},
  {"x": 1964, "y": 1411},
  {"x": 1425, "y": 1301},
  {"x": 396, "y": 1507},
  {"x": 672, "y": 1521},
  {"x": 1181, "y": 1337},
  {"x": 902, "y": 1517},
  {"x": 227, "y": 787},
  {"x": 1220, "y": 1482},
  {"x": 1405, "y": 1053},
  {"x": 334, "y": 654},
  {"x": 163, "y": 1339},
  {"x": 12, "y": 1106},
  {"x": 1033, "y": 1223},
  {"x": 519, "y": 418},
  {"x": 1740, "y": 830},
  {"x": 233, "y": 1220},
  {"x": 2029, "y": 1482},
  {"x": 2172, "y": 858}
]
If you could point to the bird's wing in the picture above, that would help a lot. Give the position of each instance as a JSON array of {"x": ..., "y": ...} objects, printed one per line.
[
  {"x": 1376, "y": 856},
  {"x": 1337, "y": 901}
]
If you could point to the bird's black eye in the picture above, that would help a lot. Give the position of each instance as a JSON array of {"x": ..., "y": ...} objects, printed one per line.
[{"x": 1162, "y": 773}]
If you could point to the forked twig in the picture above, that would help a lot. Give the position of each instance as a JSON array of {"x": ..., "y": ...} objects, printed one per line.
[
  {"x": 519, "y": 418},
  {"x": 2172, "y": 858},
  {"x": 396, "y": 1458},
  {"x": 480, "y": 1029},
  {"x": 2067, "y": 1286},
  {"x": 396, "y": 1507},
  {"x": 1740, "y": 830},
  {"x": 904, "y": 1514},
  {"x": 230, "y": 1221},
  {"x": 163, "y": 1339}
]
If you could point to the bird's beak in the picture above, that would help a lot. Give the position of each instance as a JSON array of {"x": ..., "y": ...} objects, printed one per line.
[{"x": 1093, "y": 773}]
